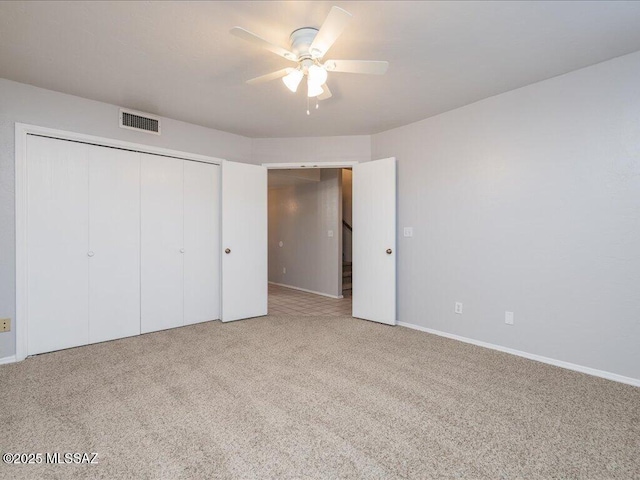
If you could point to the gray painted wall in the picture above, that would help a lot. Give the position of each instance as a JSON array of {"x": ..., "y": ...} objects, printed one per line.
[
  {"x": 529, "y": 202},
  {"x": 311, "y": 149},
  {"x": 27, "y": 104},
  {"x": 300, "y": 216}
]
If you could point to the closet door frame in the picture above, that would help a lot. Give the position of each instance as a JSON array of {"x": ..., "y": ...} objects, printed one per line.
[{"x": 22, "y": 130}]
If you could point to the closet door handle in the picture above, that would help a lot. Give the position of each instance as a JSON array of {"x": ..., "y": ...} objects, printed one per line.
[
  {"x": 90, "y": 253},
  {"x": 227, "y": 250},
  {"x": 389, "y": 251},
  {"x": 182, "y": 250}
]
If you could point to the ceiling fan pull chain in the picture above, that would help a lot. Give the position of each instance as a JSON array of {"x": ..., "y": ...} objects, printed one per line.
[
  {"x": 317, "y": 105},
  {"x": 308, "y": 112}
]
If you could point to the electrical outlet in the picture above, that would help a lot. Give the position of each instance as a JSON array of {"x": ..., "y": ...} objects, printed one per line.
[
  {"x": 330, "y": 233},
  {"x": 284, "y": 269},
  {"x": 408, "y": 231},
  {"x": 5, "y": 324},
  {"x": 508, "y": 318},
  {"x": 458, "y": 308}
]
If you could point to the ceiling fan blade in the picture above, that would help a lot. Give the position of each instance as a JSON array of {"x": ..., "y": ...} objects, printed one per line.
[
  {"x": 373, "y": 67},
  {"x": 329, "y": 32},
  {"x": 326, "y": 93},
  {"x": 270, "y": 76},
  {"x": 261, "y": 42}
]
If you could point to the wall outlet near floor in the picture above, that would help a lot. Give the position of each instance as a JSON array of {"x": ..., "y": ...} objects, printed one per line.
[
  {"x": 408, "y": 231},
  {"x": 284, "y": 269},
  {"x": 5, "y": 324},
  {"x": 458, "y": 308},
  {"x": 508, "y": 318}
]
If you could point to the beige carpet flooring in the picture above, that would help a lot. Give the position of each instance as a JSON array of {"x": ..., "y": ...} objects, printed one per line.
[{"x": 332, "y": 397}]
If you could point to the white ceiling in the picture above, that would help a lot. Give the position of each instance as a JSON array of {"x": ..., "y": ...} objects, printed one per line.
[{"x": 177, "y": 59}]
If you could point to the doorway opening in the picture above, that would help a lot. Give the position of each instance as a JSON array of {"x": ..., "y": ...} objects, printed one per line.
[{"x": 309, "y": 241}]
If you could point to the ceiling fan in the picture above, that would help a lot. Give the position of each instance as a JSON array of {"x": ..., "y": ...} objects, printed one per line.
[{"x": 308, "y": 46}]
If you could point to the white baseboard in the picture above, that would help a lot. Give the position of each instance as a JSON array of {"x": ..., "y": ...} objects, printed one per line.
[
  {"x": 11, "y": 359},
  {"x": 531, "y": 356},
  {"x": 305, "y": 290}
]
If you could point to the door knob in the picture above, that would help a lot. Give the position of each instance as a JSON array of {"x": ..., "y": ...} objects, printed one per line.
[
  {"x": 227, "y": 250},
  {"x": 389, "y": 251},
  {"x": 90, "y": 253},
  {"x": 182, "y": 250}
]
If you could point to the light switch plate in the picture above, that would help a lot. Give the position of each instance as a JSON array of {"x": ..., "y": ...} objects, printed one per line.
[
  {"x": 408, "y": 231},
  {"x": 508, "y": 318}
]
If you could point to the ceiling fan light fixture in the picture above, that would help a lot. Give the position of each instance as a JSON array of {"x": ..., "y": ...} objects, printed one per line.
[
  {"x": 313, "y": 89},
  {"x": 308, "y": 46},
  {"x": 293, "y": 79},
  {"x": 317, "y": 75}
]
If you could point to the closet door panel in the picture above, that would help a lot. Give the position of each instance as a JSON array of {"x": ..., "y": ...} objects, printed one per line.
[
  {"x": 201, "y": 242},
  {"x": 57, "y": 225},
  {"x": 162, "y": 275},
  {"x": 114, "y": 243}
]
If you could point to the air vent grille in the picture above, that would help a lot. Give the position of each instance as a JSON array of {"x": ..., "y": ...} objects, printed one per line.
[{"x": 139, "y": 121}]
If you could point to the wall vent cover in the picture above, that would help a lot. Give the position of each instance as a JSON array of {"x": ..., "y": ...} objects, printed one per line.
[{"x": 139, "y": 121}]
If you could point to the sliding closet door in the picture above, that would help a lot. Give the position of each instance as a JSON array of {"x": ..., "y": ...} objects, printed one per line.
[
  {"x": 201, "y": 242},
  {"x": 162, "y": 242},
  {"x": 57, "y": 223},
  {"x": 114, "y": 243}
]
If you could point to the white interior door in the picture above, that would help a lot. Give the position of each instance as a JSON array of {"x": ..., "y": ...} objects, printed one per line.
[
  {"x": 114, "y": 243},
  {"x": 57, "y": 225},
  {"x": 162, "y": 243},
  {"x": 201, "y": 242},
  {"x": 374, "y": 241},
  {"x": 244, "y": 241}
]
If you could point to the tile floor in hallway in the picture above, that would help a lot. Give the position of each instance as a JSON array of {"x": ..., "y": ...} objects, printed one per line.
[{"x": 287, "y": 301}]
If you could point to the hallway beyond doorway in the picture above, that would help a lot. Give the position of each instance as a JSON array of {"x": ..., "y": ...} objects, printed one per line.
[{"x": 288, "y": 301}]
